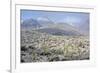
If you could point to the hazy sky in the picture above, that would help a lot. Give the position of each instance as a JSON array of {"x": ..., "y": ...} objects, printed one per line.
[{"x": 66, "y": 17}]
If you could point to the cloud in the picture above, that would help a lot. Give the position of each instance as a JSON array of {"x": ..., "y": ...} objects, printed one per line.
[{"x": 42, "y": 19}]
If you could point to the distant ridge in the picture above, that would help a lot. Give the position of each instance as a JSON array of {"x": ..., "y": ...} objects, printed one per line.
[
  {"x": 48, "y": 26},
  {"x": 30, "y": 23}
]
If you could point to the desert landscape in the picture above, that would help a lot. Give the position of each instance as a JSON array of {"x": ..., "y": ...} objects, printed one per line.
[{"x": 48, "y": 41}]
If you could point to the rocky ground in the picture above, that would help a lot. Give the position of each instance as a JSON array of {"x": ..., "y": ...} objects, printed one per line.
[{"x": 43, "y": 47}]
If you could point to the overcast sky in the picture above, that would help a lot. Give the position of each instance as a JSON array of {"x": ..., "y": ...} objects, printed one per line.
[{"x": 66, "y": 17}]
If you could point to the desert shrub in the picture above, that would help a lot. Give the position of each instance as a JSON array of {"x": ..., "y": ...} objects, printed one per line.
[
  {"x": 45, "y": 47},
  {"x": 31, "y": 47},
  {"x": 54, "y": 58},
  {"x": 33, "y": 55},
  {"x": 66, "y": 49},
  {"x": 22, "y": 61},
  {"x": 58, "y": 51},
  {"x": 23, "y": 48}
]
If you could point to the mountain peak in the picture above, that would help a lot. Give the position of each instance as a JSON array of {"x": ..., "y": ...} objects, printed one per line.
[{"x": 30, "y": 23}]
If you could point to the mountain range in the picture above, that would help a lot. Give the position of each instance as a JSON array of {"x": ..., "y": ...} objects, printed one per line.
[{"x": 54, "y": 28}]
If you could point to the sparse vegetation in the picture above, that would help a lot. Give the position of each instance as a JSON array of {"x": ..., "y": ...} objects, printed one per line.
[{"x": 43, "y": 47}]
